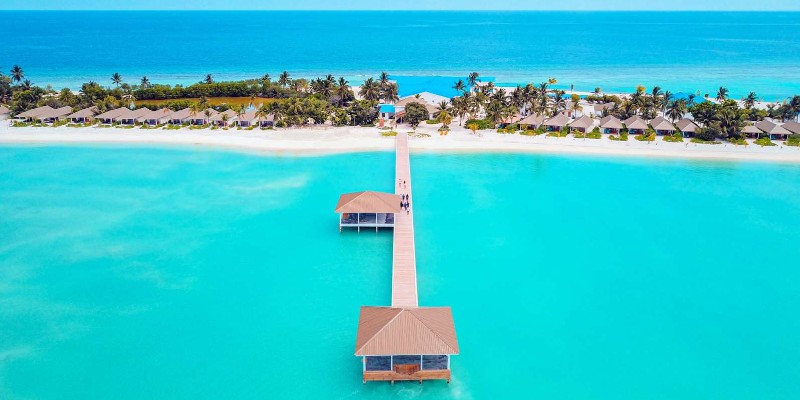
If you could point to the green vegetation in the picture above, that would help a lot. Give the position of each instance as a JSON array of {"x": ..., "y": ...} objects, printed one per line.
[
  {"x": 415, "y": 113},
  {"x": 738, "y": 141},
  {"x": 764, "y": 141},
  {"x": 480, "y": 123},
  {"x": 701, "y": 141},
  {"x": 793, "y": 140},
  {"x": 389, "y": 134},
  {"x": 675, "y": 137}
]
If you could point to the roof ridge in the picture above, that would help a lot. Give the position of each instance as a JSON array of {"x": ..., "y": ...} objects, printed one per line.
[{"x": 435, "y": 333}]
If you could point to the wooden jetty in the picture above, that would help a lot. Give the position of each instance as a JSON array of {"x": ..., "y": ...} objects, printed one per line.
[{"x": 403, "y": 342}]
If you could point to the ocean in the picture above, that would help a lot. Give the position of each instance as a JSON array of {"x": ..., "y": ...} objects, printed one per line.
[
  {"x": 155, "y": 273},
  {"x": 693, "y": 52}
]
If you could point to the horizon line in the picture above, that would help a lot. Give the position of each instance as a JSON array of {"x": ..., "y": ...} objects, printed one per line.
[{"x": 414, "y": 10}]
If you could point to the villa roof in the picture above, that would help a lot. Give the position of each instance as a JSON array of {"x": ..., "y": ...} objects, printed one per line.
[
  {"x": 368, "y": 202},
  {"x": 35, "y": 112},
  {"x": 533, "y": 119},
  {"x": 790, "y": 126},
  {"x": 230, "y": 113},
  {"x": 406, "y": 331},
  {"x": 558, "y": 120},
  {"x": 113, "y": 113},
  {"x": 133, "y": 114},
  {"x": 750, "y": 129},
  {"x": 610, "y": 122},
  {"x": 4, "y": 110},
  {"x": 56, "y": 113},
  {"x": 604, "y": 106},
  {"x": 772, "y": 128},
  {"x": 85, "y": 113},
  {"x": 686, "y": 125},
  {"x": 249, "y": 116},
  {"x": 635, "y": 122},
  {"x": 583, "y": 122},
  {"x": 661, "y": 124},
  {"x": 424, "y": 98},
  {"x": 159, "y": 114},
  {"x": 181, "y": 115}
]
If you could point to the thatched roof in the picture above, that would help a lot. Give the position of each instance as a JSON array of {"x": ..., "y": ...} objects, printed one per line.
[
  {"x": 751, "y": 129},
  {"x": 112, "y": 114},
  {"x": 772, "y": 128},
  {"x": 687, "y": 125},
  {"x": 368, "y": 202},
  {"x": 35, "y": 112},
  {"x": 610, "y": 122},
  {"x": 635, "y": 122},
  {"x": 85, "y": 113},
  {"x": 384, "y": 331},
  {"x": 249, "y": 116},
  {"x": 790, "y": 126},
  {"x": 662, "y": 124},
  {"x": 533, "y": 119},
  {"x": 230, "y": 113},
  {"x": 583, "y": 122},
  {"x": 4, "y": 110},
  {"x": 559, "y": 120}
]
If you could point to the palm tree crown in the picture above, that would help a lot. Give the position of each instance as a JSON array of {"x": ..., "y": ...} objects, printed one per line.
[
  {"x": 17, "y": 74},
  {"x": 116, "y": 79}
]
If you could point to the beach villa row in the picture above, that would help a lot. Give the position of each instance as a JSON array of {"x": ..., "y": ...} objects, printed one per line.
[
  {"x": 636, "y": 126},
  {"x": 147, "y": 117}
]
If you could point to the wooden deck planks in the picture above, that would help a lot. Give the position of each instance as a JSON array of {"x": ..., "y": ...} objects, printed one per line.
[{"x": 404, "y": 261}]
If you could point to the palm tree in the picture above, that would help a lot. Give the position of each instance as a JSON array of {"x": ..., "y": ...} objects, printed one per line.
[
  {"x": 459, "y": 86},
  {"x": 370, "y": 90},
  {"x": 443, "y": 106},
  {"x": 207, "y": 113},
  {"x": 559, "y": 103},
  {"x": 209, "y": 79},
  {"x": 390, "y": 93},
  {"x": 676, "y": 109},
  {"x": 17, "y": 74},
  {"x": 384, "y": 79},
  {"x": 597, "y": 91},
  {"x": 26, "y": 84},
  {"x": 116, "y": 79},
  {"x": 722, "y": 94},
  {"x": 145, "y": 82},
  {"x": 265, "y": 79},
  {"x": 473, "y": 78},
  {"x": 284, "y": 79},
  {"x": 459, "y": 107},
  {"x": 224, "y": 119},
  {"x": 343, "y": 90},
  {"x": 750, "y": 100}
]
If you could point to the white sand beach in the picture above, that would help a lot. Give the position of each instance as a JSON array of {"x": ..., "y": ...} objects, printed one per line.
[{"x": 331, "y": 140}]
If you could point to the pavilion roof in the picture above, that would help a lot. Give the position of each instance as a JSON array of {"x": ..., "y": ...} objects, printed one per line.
[
  {"x": 662, "y": 124},
  {"x": 583, "y": 122},
  {"x": 772, "y": 128},
  {"x": 249, "y": 116},
  {"x": 558, "y": 120},
  {"x": 791, "y": 126},
  {"x": 86, "y": 112},
  {"x": 181, "y": 114},
  {"x": 406, "y": 331},
  {"x": 111, "y": 114},
  {"x": 687, "y": 125},
  {"x": 533, "y": 119},
  {"x": 36, "y": 112},
  {"x": 368, "y": 202},
  {"x": 610, "y": 122},
  {"x": 750, "y": 129},
  {"x": 157, "y": 114},
  {"x": 4, "y": 110},
  {"x": 635, "y": 122},
  {"x": 230, "y": 113},
  {"x": 55, "y": 113}
]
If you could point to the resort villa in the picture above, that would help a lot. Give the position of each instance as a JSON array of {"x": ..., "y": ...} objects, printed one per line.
[
  {"x": 224, "y": 119},
  {"x": 687, "y": 127},
  {"x": 635, "y": 125},
  {"x": 396, "y": 111},
  {"x": 368, "y": 210},
  {"x": 610, "y": 124},
  {"x": 583, "y": 124},
  {"x": 83, "y": 116},
  {"x": 662, "y": 126},
  {"x": 751, "y": 131},
  {"x": 531, "y": 122},
  {"x": 248, "y": 119},
  {"x": 792, "y": 126},
  {"x": 45, "y": 114},
  {"x": 180, "y": 116},
  {"x": 775, "y": 131},
  {"x": 156, "y": 117},
  {"x": 201, "y": 117},
  {"x": 132, "y": 117},
  {"x": 556, "y": 123},
  {"x": 111, "y": 116}
]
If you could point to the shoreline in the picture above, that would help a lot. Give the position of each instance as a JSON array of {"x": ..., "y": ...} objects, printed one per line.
[{"x": 343, "y": 140}]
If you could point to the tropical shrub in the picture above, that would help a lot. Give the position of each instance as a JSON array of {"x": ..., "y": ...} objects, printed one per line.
[
  {"x": 793, "y": 140},
  {"x": 480, "y": 123},
  {"x": 764, "y": 141}
]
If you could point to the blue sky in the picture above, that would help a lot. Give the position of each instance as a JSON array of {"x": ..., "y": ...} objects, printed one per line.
[{"x": 672, "y": 5}]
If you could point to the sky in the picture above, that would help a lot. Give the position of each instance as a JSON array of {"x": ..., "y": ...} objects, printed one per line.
[{"x": 611, "y": 5}]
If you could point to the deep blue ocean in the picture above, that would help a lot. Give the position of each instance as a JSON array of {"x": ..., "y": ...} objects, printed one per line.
[{"x": 679, "y": 51}]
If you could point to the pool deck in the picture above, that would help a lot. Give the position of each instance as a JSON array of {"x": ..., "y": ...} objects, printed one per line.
[{"x": 404, "y": 260}]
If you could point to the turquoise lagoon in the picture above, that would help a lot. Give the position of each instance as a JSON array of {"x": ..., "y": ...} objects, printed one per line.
[{"x": 148, "y": 273}]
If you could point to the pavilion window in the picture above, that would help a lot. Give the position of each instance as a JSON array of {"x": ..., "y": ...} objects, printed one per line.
[
  {"x": 435, "y": 362},
  {"x": 378, "y": 363}
]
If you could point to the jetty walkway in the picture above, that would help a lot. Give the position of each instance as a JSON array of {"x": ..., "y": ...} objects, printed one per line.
[{"x": 404, "y": 260}]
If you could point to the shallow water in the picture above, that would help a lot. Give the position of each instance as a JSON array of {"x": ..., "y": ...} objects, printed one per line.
[
  {"x": 680, "y": 51},
  {"x": 184, "y": 274}
]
